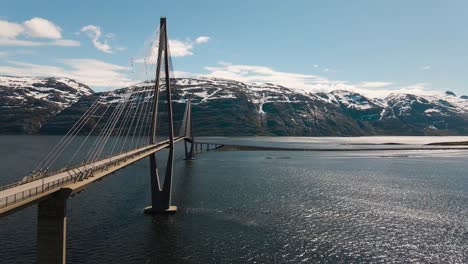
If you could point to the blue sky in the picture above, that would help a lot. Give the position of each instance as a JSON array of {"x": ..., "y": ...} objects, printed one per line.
[{"x": 374, "y": 47}]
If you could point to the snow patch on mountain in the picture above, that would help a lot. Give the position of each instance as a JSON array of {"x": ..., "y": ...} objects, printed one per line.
[
  {"x": 267, "y": 106},
  {"x": 205, "y": 89},
  {"x": 64, "y": 92},
  {"x": 355, "y": 101},
  {"x": 61, "y": 92}
]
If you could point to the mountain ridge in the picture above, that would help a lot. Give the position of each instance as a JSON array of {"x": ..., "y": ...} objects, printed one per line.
[
  {"x": 232, "y": 108},
  {"x": 27, "y": 103}
]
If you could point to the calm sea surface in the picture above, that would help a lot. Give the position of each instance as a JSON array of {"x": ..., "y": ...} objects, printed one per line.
[{"x": 392, "y": 206}]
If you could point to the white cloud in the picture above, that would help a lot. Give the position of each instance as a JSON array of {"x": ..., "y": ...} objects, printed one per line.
[
  {"x": 309, "y": 82},
  {"x": 4, "y": 54},
  {"x": 92, "y": 72},
  {"x": 65, "y": 43},
  {"x": 18, "y": 42},
  {"x": 94, "y": 33},
  {"x": 42, "y": 28},
  {"x": 98, "y": 73},
  {"x": 177, "y": 48},
  {"x": 180, "y": 48},
  {"x": 418, "y": 89},
  {"x": 22, "y": 34},
  {"x": 374, "y": 84},
  {"x": 425, "y": 68},
  {"x": 101, "y": 74},
  {"x": 184, "y": 74},
  {"x": 252, "y": 73},
  {"x": 29, "y": 43},
  {"x": 9, "y": 29},
  {"x": 202, "y": 39}
]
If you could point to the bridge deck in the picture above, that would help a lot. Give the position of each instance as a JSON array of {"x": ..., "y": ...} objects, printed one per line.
[{"x": 27, "y": 193}]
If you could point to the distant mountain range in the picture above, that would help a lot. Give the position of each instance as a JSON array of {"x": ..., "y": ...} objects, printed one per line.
[
  {"x": 230, "y": 108},
  {"x": 27, "y": 103}
]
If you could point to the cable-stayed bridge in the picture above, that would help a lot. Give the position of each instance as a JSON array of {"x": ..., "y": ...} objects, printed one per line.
[{"x": 120, "y": 128}]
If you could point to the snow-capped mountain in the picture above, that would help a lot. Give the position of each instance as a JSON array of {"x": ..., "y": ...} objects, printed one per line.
[
  {"x": 26, "y": 103},
  {"x": 227, "y": 107},
  {"x": 289, "y": 111},
  {"x": 61, "y": 92}
]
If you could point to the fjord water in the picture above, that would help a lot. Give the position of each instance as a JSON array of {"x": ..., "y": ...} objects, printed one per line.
[{"x": 263, "y": 206}]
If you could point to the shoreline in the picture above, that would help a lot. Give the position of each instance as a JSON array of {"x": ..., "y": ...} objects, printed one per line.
[{"x": 228, "y": 147}]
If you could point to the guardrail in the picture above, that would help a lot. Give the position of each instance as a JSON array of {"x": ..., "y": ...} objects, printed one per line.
[
  {"x": 44, "y": 187},
  {"x": 23, "y": 195},
  {"x": 40, "y": 176}
]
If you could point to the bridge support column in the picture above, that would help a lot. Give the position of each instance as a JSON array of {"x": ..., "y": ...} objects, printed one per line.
[
  {"x": 160, "y": 197},
  {"x": 188, "y": 144},
  {"x": 52, "y": 229}
]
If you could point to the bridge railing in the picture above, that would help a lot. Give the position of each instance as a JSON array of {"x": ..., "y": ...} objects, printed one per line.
[
  {"x": 47, "y": 186},
  {"x": 11, "y": 185},
  {"x": 72, "y": 177},
  {"x": 23, "y": 195},
  {"x": 42, "y": 175}
]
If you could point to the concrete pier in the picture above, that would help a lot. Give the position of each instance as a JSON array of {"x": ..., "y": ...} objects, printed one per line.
[
  {"x": 52, "y": 230},
  {"x": 171, "y": 210}
]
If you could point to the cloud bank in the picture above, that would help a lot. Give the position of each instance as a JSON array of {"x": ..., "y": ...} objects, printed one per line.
[
  {"x": 103, "y": 75},
  {"x": 94, "y": 73},
  {"x": 28, "y": 32},
  {"x": 311, "y": 83},
  {"x": 177, "y": 48}
]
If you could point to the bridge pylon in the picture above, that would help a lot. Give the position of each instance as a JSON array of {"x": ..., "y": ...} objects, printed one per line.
[
  {"x": 161, "y": 194},
  {"x": 185, "y": 131}
]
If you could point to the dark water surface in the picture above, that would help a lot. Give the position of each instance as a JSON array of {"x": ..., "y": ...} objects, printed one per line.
[{"x": 260, "y": 207}]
